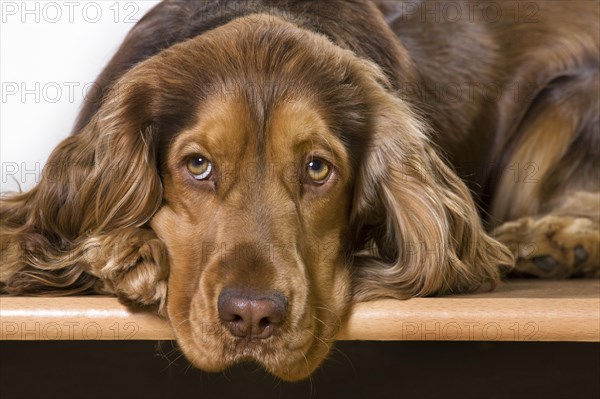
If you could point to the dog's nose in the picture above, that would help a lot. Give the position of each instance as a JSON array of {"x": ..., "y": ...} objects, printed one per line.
[{"x": 251, "y": 314}]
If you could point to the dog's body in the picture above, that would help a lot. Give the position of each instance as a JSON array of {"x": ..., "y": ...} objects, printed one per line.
[{"x": 368, "y": 98}]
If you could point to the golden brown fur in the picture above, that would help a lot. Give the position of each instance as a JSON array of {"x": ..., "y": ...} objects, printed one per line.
[{"x": 260, "y": 91}]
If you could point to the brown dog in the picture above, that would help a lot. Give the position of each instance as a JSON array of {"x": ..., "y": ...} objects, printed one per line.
[{"x": 254, "y": 167}]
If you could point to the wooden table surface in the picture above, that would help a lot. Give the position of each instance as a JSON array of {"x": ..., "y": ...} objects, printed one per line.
[{"x": 518, "y": 310}]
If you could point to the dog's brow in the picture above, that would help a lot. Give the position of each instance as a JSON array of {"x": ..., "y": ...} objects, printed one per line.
[
  {"x": 301, "y": 125},
  {"x": 317, "y": 142},
  {"x": 192, "y": 148}
]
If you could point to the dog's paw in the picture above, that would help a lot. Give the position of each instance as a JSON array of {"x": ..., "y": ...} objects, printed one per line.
[
  {"x": 138, "y": 272},
  {"x": 553, "y": 246}
]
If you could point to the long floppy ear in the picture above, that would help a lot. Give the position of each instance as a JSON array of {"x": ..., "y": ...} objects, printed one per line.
[
  {"x": 418, "y": 229},
  {"x": 99, "y": 187}
]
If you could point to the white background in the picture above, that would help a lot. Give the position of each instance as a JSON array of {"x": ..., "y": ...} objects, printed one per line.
[{"x": 50, "y": 52}]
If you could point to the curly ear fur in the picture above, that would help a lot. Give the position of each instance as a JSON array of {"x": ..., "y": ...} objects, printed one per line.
[
  {"x": 98, "y": 189},
  {"x": 418, "y": 226}
]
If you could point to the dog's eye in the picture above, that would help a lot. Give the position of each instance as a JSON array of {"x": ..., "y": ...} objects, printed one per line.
[
  {"x": 318, "y": 170},
  {"x": 200, "y": 168}
]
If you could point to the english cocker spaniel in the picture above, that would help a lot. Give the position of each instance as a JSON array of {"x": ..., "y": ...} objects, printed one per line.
[{"x": 251, "y": 168}]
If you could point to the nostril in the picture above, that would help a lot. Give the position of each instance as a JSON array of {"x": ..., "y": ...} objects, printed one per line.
[{"x": 264, "y": 323}]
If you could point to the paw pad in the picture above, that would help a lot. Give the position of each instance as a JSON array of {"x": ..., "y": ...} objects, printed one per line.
[
  {"x": 546, "y": 263},
  {"x": 581, "y": 255}
]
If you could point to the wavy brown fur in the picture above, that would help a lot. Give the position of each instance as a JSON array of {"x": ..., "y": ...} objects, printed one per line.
[
  {"x": 49, "y": 235},
  {"x": 429, "y": 239}
]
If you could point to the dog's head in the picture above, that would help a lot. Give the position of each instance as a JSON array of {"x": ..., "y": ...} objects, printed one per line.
[
  {"x": 257, "y": 194},
  {"x": 257, "y": 191},
  {"x": 285, "y": 180}
]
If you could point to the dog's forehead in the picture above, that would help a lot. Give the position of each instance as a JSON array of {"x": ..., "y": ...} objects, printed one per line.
[{"x": 232, "y": 129}]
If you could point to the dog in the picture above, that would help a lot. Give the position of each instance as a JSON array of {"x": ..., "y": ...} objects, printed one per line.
[{"x": 252, "y": 168}]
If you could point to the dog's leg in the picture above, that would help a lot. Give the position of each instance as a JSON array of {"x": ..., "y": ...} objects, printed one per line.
[
  {"x": 131, "y": 263},
  {"x": 547, "y": 200},
  {"x": 563, "y": 243}
]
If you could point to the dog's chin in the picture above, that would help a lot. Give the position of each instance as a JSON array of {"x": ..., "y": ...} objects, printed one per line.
[
  {"x": 299, "y": 366},
  {"x": 287, "y": 364}
]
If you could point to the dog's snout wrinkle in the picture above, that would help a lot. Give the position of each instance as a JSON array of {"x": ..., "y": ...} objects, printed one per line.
[{"x": 251, "y": 314}]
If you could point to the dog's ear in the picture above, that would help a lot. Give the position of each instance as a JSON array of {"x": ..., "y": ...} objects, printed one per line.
[
  {"x": 96, "y": 183},
  {"x": 418, "y": 230}
]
